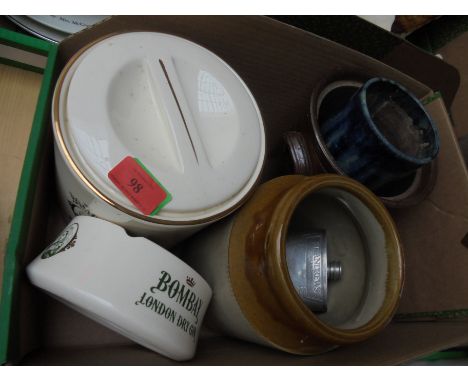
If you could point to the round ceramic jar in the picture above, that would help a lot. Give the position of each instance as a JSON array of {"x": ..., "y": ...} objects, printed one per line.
[
  {"x": 407, "y": 182},
  {"x": 244, "y": 260},
  {"x": 128, "y": 284},
  {"x": 162, "y": 105},
  {"x": 382, "y": 135}
]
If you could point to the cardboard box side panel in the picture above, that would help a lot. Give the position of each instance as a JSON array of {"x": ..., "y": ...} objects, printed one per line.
[
  {"x": 391, "y": 49},
  {"x": 227, "y": 37},
  {"x": 432, "y": 232},
  {"x": 293, "y": 62},
  {"x": 398, "y": 343},
  {"x": 26, "y": 191},
  {"x": 422, "y": 66},
  {"x": 456, "y": 53},
  {"x": 463, "y": 143},
  {"x": 79, "y": 330}
]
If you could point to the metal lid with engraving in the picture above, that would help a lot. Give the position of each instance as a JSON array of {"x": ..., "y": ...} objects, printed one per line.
[{"x": 306, "y": 256}]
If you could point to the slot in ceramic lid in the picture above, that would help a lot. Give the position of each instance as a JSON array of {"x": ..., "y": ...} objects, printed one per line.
[{"x": 174, "y": 105}]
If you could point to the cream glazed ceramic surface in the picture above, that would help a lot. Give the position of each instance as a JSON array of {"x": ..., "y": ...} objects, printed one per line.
[
  {"x": 128, "y": 284},
  {"x": 55, "y": 28},
  {"x": 178, "y": 108},
  {"x": 68, "y": 23}
]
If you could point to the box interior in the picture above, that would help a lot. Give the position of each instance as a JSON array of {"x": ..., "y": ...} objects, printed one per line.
[
  {"x": 432, "y": 233},
  {"x": 455, "y": 53},
  {"x": 389, "y": 48},
  {"x": 293, "y": 61}
]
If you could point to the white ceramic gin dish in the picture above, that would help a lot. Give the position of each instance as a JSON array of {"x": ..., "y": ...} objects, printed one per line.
[
  {"x": 174, "y": 105},
  {"x": 127, "y": 284}
]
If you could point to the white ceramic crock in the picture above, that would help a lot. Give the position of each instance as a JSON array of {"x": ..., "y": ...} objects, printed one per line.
[
  {"x": 174, "y": 105},
  {"x": 127, "y": 284}
]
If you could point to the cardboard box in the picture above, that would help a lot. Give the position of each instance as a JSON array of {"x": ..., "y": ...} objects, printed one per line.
[
  {"x": 455, "y": 53},
  {"x": 281, "y": 65},
  {"x": 389, "y": 48}
]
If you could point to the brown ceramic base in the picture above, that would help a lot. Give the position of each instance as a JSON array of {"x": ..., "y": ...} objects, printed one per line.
[{"x": 259, "y": 276}]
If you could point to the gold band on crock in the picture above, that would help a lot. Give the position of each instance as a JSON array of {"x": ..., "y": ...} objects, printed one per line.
[
  {"x": 259, "y": 274},
  {"x": 89, "y": 184}
]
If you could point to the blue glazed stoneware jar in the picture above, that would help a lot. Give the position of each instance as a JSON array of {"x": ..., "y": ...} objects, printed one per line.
[{"x": 383, "y": 134}]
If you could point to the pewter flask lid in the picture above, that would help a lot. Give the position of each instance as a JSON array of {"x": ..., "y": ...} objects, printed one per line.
[{"x": 306, "y": 256}]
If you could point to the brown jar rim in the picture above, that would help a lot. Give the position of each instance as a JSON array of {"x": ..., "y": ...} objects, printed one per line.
[
  {"x": 279, "y": 272},
  {"x": 257, "y": 254}
]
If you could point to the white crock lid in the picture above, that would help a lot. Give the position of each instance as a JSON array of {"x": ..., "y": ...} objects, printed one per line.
[{"x": 174, "y": 105}]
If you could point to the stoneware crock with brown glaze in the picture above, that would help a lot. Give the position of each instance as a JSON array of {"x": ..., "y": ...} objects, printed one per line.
[{"x": 244, "y": 260}]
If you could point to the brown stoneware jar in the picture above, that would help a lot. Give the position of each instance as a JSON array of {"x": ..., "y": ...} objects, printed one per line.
[{"x": 243, "y": 258}]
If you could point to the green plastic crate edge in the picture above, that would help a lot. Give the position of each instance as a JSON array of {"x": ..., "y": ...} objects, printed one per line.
[{"x": 20, "y": 221}]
